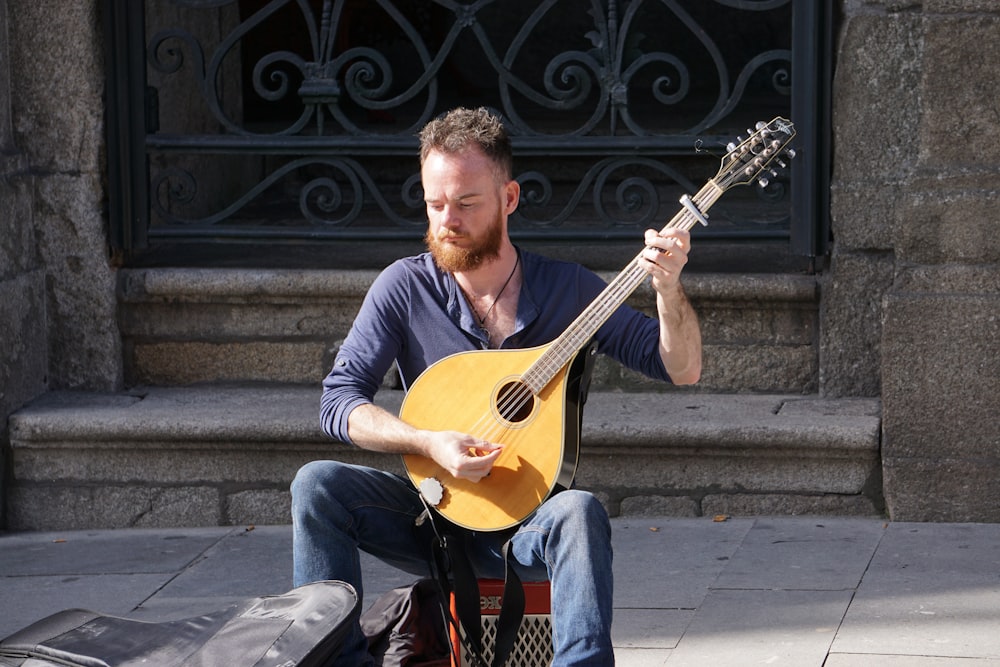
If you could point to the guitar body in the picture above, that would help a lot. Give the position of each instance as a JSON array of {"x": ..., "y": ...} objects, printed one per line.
[{"x": 480, "y": 393}]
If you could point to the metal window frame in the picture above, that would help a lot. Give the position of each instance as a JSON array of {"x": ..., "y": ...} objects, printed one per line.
[{"x": 131, "y": 121}]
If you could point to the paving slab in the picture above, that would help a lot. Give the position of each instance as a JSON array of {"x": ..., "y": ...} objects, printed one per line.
[
  {"x": 868, "y": 660},
  {"x": 248, "y": 563},
  {"x": 24, "y": 600},
  {"x": 104, "y": 551},
  {"x": 641, "y": 657},
  {"x": 671, "y": 563},
  {"x": 762, "y": 627},
  {"x": 798, "y": 553},
  {"x": 244, "y": 563},
  {"x": 650, "y": 628},
  {"x": 932, "y": 590}
]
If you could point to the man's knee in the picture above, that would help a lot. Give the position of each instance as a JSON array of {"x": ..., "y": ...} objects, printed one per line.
[
  {"x": 582, "y": 509},
  {"x": 317, "y": 482},
  {"x": 581, "y": 502}
]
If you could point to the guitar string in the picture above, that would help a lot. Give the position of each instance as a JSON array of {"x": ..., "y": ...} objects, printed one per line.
[
  {"x": 557, "y": 356},
  {"x": 512, "y": 402},
  {"x": 620, "y": 287}
]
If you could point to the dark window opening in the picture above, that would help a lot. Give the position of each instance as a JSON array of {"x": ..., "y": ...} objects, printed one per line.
[{"x": 269, "y": 131}]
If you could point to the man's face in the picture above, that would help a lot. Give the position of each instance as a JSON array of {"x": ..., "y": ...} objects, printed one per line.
[{"x": 467, "y": 209}]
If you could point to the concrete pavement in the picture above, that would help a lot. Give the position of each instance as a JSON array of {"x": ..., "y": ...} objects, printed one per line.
[{"x": 799, "y": 591}]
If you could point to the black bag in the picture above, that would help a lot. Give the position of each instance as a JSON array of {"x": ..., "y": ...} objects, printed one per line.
[
  {"x": 406, "y": 627},
  {"x": 305, "y": 627}
]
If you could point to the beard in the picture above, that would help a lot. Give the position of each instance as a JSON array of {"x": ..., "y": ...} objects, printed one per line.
[{"x": 452, "y": 258}]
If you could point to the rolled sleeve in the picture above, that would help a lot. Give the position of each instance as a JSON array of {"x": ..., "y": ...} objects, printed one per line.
[{"x": 370, "y": 349}]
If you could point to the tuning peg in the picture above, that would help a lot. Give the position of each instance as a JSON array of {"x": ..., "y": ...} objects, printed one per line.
[
  {"x": 791, "y": 153},
  {"x": 731, "y": 146},
  {"x": 763, "y": 182},
  {"x": 760, "y": 125}
]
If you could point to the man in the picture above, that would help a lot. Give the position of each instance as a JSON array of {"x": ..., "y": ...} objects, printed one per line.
[{"x": 474, "y": 289}]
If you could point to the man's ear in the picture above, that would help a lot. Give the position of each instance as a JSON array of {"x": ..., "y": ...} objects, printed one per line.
[{"x": 512, "y": 195}]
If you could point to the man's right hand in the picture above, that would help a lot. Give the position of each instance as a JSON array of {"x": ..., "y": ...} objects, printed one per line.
[{"x": 463, "y": 456}]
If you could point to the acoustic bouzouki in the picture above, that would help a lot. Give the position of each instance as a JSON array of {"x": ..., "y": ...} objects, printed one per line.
[{"x": 530, "y": 400}]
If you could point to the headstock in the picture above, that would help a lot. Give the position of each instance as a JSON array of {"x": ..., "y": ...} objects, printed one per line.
[{"x": 751, "y": 159}]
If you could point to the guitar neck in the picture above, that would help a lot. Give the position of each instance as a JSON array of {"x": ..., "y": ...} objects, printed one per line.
[{"x": 607, "y": 302}]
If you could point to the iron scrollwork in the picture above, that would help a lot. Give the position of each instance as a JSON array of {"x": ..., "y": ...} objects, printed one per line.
[{"x": 321, "y": 101}]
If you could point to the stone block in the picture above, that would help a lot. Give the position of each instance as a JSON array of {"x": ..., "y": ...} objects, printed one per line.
[
  {"x": 940, "y": 382},
  {"x": 877, "y": 97},
  {"x": 221, "y": 463},
  {"x": 863, "y": 215},
  {"x": 942, "y": 488},
  {"x": 179, "y": 363},
  {"x": 57, "y": 80},
  {"x": 941, "y": 376},
  {"x": 959, "y": 129},
  {"x": 84, "y": 341},
  {"x": 258, "y": 507},
  {"x": 232, "y": 304},
  {"x": 950, "y": 221},
  {"x": 744, "y": 368},
  {"x": 633, "y": 472},
  {"x": 196, "y": 325},
  {"x": 752, "y": 322},
  {"x": 673, "y": 506},
  {"x": 759, "y": 368},
  {"x": 76, "y": 506},
  {"x": 17, "y": 240},
  {"x": 852, "y": 6},
  {"x": 774, "y": 504},
  {"x": 851, "y": 312},
  {"x": 234, "y": 320},
  {"x": 960, "y": 6},
  {"x": 24, "y": 371}
]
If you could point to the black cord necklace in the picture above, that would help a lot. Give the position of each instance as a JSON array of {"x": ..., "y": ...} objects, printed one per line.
[{"x": 482, "y": 320}]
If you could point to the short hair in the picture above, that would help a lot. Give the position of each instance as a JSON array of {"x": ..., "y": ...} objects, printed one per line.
[{"x": 460, "y": 128}]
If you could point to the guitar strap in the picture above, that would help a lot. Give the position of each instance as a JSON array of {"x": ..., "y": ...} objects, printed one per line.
[
  {"x": 511, "y": 611},
  {"x": 451, "y": 556}
]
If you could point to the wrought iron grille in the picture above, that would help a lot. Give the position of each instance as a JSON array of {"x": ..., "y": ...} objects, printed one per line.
[{"x": 297, "y": 119}]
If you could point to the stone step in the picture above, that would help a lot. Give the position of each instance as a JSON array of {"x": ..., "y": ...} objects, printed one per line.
[
  {"x": 185, "y": 326},
  {"x": 225, "y": 454}
]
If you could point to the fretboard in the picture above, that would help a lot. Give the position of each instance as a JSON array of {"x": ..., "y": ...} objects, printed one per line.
[{"x": 607, "y": 302}]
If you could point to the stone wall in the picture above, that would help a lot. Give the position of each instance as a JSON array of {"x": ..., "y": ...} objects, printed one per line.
[
  {"x": 910, "y": 303},
  {"x": 56, "y": 88},
  {"x": 57, "y": 314},
  {"x": 916, "y": 264},
  {"x": 22, "y": 279}
]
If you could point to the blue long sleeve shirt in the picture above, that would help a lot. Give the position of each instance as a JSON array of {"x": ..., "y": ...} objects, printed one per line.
[{"x": 415, "y": 314}]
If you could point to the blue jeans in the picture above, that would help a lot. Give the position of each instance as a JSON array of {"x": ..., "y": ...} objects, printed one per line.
[{"x": 338, "y": 508}]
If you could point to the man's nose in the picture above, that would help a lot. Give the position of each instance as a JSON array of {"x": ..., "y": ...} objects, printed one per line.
[{"x": 450, "y": 217}]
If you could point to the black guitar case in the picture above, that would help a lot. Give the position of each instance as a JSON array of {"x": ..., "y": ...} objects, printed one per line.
[{"x": 305, "y": 627}]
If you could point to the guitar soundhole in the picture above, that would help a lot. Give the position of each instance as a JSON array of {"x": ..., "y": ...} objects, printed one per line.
[{"x": 515, "y": 402}]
